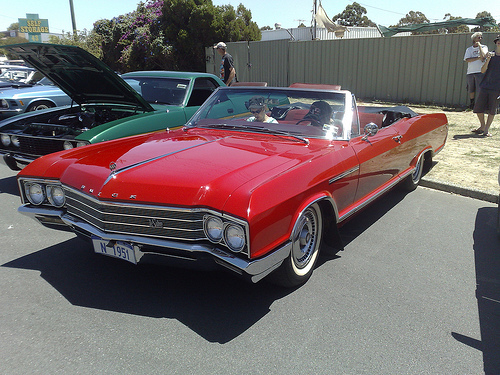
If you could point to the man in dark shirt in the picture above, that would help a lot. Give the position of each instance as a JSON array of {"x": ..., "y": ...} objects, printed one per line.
[
  {"x": 489, "y": 95},
  {"x": 227, "y": 71}
]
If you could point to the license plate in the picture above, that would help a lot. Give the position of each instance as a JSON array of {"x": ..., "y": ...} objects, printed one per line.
[{"x": 119, "y": 249}]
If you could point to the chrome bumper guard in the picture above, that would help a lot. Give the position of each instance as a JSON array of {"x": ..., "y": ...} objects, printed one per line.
[
  {"x": 14, "y": 161},
  {"x": 255, "y": 269}
]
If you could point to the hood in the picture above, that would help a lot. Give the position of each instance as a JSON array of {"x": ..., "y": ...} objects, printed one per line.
[
  {"x": 29, "y": 91},
  {"x": 82, "y": 76},
  {"x": 194, "y": 168}
]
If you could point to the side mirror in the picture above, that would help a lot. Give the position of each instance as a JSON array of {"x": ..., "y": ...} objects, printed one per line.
[{"x": 370, "y": 129}]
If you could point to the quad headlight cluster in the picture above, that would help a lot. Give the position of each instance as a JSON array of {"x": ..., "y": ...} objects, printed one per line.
[
  {"x": 38, "y": 193},
  {"x": 232, "y": 234},
  {"x": 68, "y": 145},
  {"x": 8, "y": 140}
]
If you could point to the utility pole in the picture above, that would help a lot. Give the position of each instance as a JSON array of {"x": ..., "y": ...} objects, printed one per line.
[
  {"x": 73, "y": 21},
  {"x": 315, "y": 10}
]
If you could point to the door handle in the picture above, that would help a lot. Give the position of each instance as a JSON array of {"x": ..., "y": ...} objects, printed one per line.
[{"x": 397, "y": 138}]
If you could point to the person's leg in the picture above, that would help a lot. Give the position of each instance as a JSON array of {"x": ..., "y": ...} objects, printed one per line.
[
  {"x": 482, "y": 124},
  {"x": 489, "y": 121}
]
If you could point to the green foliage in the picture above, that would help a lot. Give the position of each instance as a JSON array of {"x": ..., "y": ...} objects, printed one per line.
[
  {"x": 88, "y": 41},
  {"x": 413, "y": 18},
  {"x": 353, "y": 15},
  {"x": 458, "y": 29},
  {"x": 485, "y": 14},
  {"x": 10, "y": 40},
  {"x": 171, "y": 34}
]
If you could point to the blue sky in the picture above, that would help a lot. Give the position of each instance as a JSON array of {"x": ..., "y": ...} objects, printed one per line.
[{"x": 289, "y": 13}]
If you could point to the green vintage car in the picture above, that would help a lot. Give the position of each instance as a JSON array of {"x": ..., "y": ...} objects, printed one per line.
[{"x": 104, "y": 105}]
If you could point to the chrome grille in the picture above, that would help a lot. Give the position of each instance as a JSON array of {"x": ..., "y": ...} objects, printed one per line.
[{"x": 167, "y": 223}]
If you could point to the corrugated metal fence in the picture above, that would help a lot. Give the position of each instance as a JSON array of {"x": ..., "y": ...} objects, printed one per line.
[{"x": 413, "y": 69}]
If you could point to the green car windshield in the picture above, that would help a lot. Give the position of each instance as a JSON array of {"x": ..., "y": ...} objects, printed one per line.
[
  {"x": 160, "y": 90},
  {"x": 301, "y": 113}
]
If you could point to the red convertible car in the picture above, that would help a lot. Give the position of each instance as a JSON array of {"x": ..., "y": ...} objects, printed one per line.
[{"x": 255, "y": 182}]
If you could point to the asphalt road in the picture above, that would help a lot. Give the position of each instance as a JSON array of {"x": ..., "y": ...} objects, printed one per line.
[{"x": 416, "y": 291}]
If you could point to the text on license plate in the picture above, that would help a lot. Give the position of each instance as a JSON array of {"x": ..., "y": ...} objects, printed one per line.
[{"x": 119, "y": 249}]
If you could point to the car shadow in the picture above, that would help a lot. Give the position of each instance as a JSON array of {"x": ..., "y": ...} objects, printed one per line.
[
  {"x": 487, "y": 264},
  {"x": 357, "y": 224},
  {"x": 467, "y": 136},
  {"x": 8, "y": 185},
  {"x": 216, "y": 305}
]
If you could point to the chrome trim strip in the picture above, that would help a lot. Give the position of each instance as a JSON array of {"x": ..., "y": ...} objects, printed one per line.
[
  {"x": 343, "y": 175},
  {"x": 138, "y": 164},
  {"x": 372, "y": 198},
  {"x": 256, "y": 269}
]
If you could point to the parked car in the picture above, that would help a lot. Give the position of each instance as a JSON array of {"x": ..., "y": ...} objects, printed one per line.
[
  {"x": 4, "y": 67},
  {"x": 102, "y": 105},
  {"x": 19, "y": 77},
  {"x": 20, "y": 98},
  {"x": 255, "y": 198}
]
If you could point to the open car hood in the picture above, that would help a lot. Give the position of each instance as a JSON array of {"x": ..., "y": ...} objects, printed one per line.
[{"x": 82, "y": 76}]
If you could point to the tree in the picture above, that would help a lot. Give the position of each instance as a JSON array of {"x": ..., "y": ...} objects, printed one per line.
[
  {"x": 171, "y": 34},
  {"x": 485, "y": 14},
  {"x": 353, "y": 15},
  {"x": 13, "y": 26},
  {"x": 457, "y": 29},
  {"x": 413, "y": 18},
  {"x": 88, "y": 41},
  {"x": 11, "y": 40}
]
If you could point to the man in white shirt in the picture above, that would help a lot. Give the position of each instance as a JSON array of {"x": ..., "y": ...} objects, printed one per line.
[{"x": 475, "y": 56}]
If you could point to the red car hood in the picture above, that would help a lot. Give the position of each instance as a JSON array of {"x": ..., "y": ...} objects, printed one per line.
[{"x": 193, "y": 168}]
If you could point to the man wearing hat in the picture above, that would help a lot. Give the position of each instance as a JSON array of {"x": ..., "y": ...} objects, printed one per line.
[
  {"x": 489, "y": 95},
  {"x": 227, "y": 71}
]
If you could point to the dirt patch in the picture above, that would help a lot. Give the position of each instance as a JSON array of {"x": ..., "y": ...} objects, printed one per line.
[{"x": 467, "y": 160}]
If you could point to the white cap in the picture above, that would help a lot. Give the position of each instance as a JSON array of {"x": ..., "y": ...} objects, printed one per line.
[{"x": 220, "y": 45}]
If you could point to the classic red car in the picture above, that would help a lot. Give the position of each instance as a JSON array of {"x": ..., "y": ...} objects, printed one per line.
[{"x": 254, "y": 182}]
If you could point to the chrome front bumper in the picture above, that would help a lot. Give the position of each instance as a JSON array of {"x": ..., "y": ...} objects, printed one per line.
[{"x": 255, "y": 270}]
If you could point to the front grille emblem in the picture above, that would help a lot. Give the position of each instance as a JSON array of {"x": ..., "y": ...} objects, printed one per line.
[
  {"x": 154, "y": 223},
  {"x": 112, "y": 166}
]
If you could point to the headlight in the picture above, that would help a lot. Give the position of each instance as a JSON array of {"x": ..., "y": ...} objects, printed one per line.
[
  {"x": 81, "y": 143},
  {"x": 5, "y": 138},
  {"x": 214, "y": 228},
  {"x": 55, "y": 195},
  {"x": 234, "y": 235},
  {"x": 34, "y": 193},
  {"x": 4, "y": 104},
  {"x": 15, "y": 140},
  {"x": 67, "y": 145}
]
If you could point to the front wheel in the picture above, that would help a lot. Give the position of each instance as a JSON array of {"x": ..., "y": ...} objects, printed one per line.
[
  {"x": 306, "y": 241},
  {"x": 38, "y": 106}
]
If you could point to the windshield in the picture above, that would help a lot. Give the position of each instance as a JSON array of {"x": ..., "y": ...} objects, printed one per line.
[
  {"x": 160, "y": 90},
  {"x": 302, "y": 113},
  {"x": 45, "y": 82}
]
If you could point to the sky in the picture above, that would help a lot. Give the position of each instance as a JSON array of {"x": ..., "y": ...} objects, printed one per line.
[{"x": 289, "y": 13}]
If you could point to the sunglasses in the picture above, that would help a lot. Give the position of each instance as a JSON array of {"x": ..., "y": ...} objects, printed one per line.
[{"x": 256, "y": 111}]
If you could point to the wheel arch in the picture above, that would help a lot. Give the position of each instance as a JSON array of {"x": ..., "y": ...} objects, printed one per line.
[
  {"x": 329, "y": 212},
  {"x": 34, "y": 101}
]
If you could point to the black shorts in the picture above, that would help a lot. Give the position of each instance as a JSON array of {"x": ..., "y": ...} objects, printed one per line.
[{"x": 487, "y": 101}]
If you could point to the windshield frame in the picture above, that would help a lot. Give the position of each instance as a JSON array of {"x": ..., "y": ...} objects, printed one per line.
[{"x": 228, "y": 107}]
